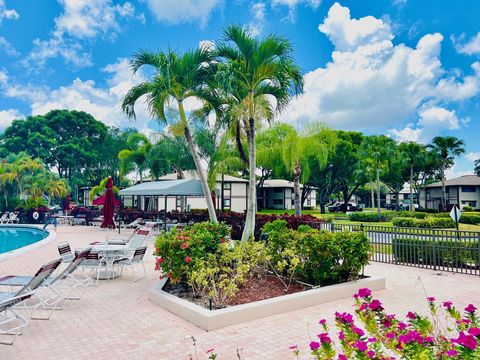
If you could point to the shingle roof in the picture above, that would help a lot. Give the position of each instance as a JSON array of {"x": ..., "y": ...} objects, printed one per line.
[
  {"x": 191, "y": 174},
  {"x": 278, "y": 183},
  {"x": 169, "y": 187},
  {"x": 462, "y": 180}
]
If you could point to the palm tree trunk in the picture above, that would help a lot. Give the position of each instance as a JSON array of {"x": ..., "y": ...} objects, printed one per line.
[
  {"x": 444, "y": 192},
  {"x": 378, "y": 191},
  {"x": 249, "y": 229},
  {"x": 372, "y": 196},
  {"x": 196, "y": 159},
  {"x": 296, "y": 186},
  {"x": 412, "y": 208}
]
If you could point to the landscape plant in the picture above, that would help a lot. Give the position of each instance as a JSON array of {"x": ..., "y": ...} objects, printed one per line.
[{"x": 373, "y": 333}]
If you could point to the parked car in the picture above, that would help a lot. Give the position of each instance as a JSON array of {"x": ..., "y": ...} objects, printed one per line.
[{"x": 341, "y": 207}]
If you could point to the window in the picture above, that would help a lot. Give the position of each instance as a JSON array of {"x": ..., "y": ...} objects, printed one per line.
[
  {"x": 226, "y": 203},
  {"x": 227, "y": 186},
  {"x": 278, "y": 202},
  {"x": 309, "y": 202},
  {"x": 469, "y": 188},
  {"x": 278, "y": 190}
]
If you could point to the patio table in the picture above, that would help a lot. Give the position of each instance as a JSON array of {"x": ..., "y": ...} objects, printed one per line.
[{"x": 111, "y": 253}]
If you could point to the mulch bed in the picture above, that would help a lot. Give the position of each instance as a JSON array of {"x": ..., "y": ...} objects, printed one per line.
[{"x": 257, "y": 289}]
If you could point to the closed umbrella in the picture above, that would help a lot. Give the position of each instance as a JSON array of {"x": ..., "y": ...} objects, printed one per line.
[
  {"x": 108, "y": 204},
  {"x": 67, "y": 202}
]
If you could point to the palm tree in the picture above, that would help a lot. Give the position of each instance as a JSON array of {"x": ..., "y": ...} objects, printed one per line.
[
  {"x": 414, "y": 155},
  {"x": 252, "y": 72},
  {"x": 446, "y": 148},
  {"x": 378, "y": 149},
  {"x": 177, "y": 77},
  {"x": 477, "y": 167},
  {"x": 138, "y": 148}
]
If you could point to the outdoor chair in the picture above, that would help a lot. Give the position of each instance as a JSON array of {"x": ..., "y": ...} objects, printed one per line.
[
  {"x": 65, "y": 252},
  {"x": 4, "y": 219},
  {"x": 134, "y": 224},
  {"x": 13, "y": 218},
  {"x": 35, "y": 285},
  {"x": 136, "y": 259},
  {"x": 64, "y": 280},
  {"x": 11, "y": 323},
  {"x": 96, "y": 262}
]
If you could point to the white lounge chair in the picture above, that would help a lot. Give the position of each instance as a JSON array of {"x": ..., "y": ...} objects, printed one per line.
[
  {"x": 12, "y": 323},
  {"x": 134, "y": 224},
  {"x": 137, "y": 258},
  {"x": 4, "y": 218}
]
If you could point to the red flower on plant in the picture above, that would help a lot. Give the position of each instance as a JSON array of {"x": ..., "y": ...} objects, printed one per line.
[
  {"x": 470, "y": 308},
  {"x": 188, "y": 259},
  {"x": 184, "y": 245},
  {"x": 169, "y": 275}
]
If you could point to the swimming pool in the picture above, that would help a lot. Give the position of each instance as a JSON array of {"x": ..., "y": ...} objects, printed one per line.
[{"x": 16, "y": 237}]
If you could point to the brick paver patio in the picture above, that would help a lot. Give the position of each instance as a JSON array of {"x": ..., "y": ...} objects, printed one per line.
[{"x": 116, "y": 320}]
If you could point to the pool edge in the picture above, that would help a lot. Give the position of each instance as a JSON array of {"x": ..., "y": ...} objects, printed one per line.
[{"x": 52, "y": 234}]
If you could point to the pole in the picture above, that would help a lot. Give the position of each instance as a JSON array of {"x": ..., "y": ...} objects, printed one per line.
[
  {"x": 223, "y": 194},
  {"x": 165, "y": 215}
]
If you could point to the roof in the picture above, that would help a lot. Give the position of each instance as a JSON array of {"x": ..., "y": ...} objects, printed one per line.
[
  {"x": 462, "y": 180},
  {"x": 278, "y": 183},
  {"x": 190, "y": 187},
  {"x": 192, "y": 174}
]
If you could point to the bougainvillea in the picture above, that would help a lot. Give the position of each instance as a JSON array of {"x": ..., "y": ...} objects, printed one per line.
[{"x": 384, "y": 336}]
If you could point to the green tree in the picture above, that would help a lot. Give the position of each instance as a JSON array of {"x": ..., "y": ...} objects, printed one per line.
[
  {"x": 137, "y": 153},
  {"x": 377, "y": 149},
  {"x": 477, "y": 167},
  {"x": 178, "y": 77},
  {"x": 414, "y": 154},
  {"x": 251, "y": 72},
  {"x": 446, "y": 148}
]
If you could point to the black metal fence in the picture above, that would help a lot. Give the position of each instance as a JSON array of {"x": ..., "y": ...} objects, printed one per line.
[{"x": 436, "y": 249}]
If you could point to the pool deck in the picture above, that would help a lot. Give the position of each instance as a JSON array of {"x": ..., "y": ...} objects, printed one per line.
[{"x": 117, "y": 321}]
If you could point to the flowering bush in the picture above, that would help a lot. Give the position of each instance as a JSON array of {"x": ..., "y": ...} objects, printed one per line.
[
  {"x": 384, "y": 336},
  {"x": 179, "y": 250},
  {"x": 316, "y": 257}
]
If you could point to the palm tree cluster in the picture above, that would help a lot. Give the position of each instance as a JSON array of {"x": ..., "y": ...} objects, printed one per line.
[
  {"x": 244, "y": 81},
  {"x": 26, "y": 182}
]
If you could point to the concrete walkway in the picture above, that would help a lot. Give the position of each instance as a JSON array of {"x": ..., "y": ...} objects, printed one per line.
[{"x": 116, "y": 320}]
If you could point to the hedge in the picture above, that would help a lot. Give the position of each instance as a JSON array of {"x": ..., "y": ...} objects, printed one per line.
[
  {"x": 470, "y": 218},
  {"x": 428, "y": 223},
  {"x": 447, "y": 252},
  {"x": 367, "y": 217}
]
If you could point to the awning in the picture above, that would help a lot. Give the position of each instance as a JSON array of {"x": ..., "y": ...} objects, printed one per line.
[{"x": 186, "y": 187}]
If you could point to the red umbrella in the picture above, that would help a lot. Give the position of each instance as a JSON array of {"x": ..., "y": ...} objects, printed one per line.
[
  {"x": 67, "y": 202},
  {"x": 101, "y": 201},
  {"x": 108, "y": 204}
]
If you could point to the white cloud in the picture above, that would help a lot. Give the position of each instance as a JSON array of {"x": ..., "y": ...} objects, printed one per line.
[
  {"x": 455, "y": 171},
  {"x": 80, "y": 22},
  {"x": 7, "y": 116},
  {"x": 181, "y": 11},
  {"x": 399, "y": 3},
  {"x": 5, "y": 13},
  {"x": 470, "y": 47},
  {"x": 373, "y": 84},
  {"x": 255, "y": 26},
  {"x": 292, "y": 4},
  {"x": 206, "y": 44},
  {"x": 472, "y": 156},
  {"x": 7, "y": 47},
  {"x": 103, "y": 102}
]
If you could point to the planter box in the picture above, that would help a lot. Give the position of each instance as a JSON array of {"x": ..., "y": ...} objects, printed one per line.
[{"x": 216, "y": 319}]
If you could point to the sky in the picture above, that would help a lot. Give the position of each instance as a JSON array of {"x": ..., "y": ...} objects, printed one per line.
[{"x": 408, "y": 69}]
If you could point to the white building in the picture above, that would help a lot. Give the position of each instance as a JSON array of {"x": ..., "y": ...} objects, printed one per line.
[
  {"x": 461, "y": 191},
  {"x": 279, "y": 194}
]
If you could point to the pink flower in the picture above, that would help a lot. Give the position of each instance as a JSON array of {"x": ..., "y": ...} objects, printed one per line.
[
  {"x": 341, "y": 335},
  {"x": 342, "y": 357},
  {"x": 470, "y": 309},
  {"x": 474, "y": 331},
  {"x": 322, "y": 322},
  {"x": 411, "y": 315},
  {"x": 447, "y": 305},
  {"x": 370, "y": 354},
  {"x": 430, "y": 299},
  {"x": 210, "y": 350},
  {"x": 293, "y": 347},
  {"x": 402, "y": 326},
  {"x": 372, "y": 339},
  {"x": 363, "y": 293},
  {"x": 324, "y": 338},
  {"x": 357, "y": 331},
  {"x": 390, "y": 335},
  {"x": 452, "y": 353},
  {"x": 344, "y": 318},
  {"x": 466, "y": 340},
  {"x": 188, "y": 259},
  {"x": 360, "y": 345},
  {"x": 375, "y": 305},
  {"x": 314, "y": 345}
]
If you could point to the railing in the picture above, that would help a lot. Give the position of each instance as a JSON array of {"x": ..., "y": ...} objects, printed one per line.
[{"x": 436, "y": 249}]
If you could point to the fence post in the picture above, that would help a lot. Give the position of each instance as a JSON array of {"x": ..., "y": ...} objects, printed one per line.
[
  {"x": 434, "y": 251},
  {"x": 478, "y": 259}
]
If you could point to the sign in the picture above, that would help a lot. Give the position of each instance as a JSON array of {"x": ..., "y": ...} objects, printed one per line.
[{"x": 455, "y": 214}]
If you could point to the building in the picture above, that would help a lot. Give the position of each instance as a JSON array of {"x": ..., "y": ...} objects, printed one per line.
[
  {"x": 461, "y": 191},
  {"x": 279, "y": 194},
  {"x": 230, "y": 194},
  {"x": 403, "y": 197}
]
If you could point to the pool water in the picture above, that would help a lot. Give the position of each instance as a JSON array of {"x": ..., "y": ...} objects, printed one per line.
[{"x": 16, "y": 237}]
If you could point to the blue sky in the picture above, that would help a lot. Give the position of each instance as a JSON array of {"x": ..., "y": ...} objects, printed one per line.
[{"x": 409, "y": 69}]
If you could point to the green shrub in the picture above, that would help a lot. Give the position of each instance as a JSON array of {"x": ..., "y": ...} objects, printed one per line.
[
  {"x": 220, "y": 275},
  {"x": 326, "y": 218},
  {"x": 470, "y": 218},
  {"x": 368, "y": 217},
  {"x": 428, "y": 223},
  {"x": 440, "y": 215},
  {"x": 467, "y": 208},
  {"x": 409, "y": 214},
  {"x": 179, "y": 250},
  {"x": 440, "y": 252},
  {"x": 316, "y": 257}
]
